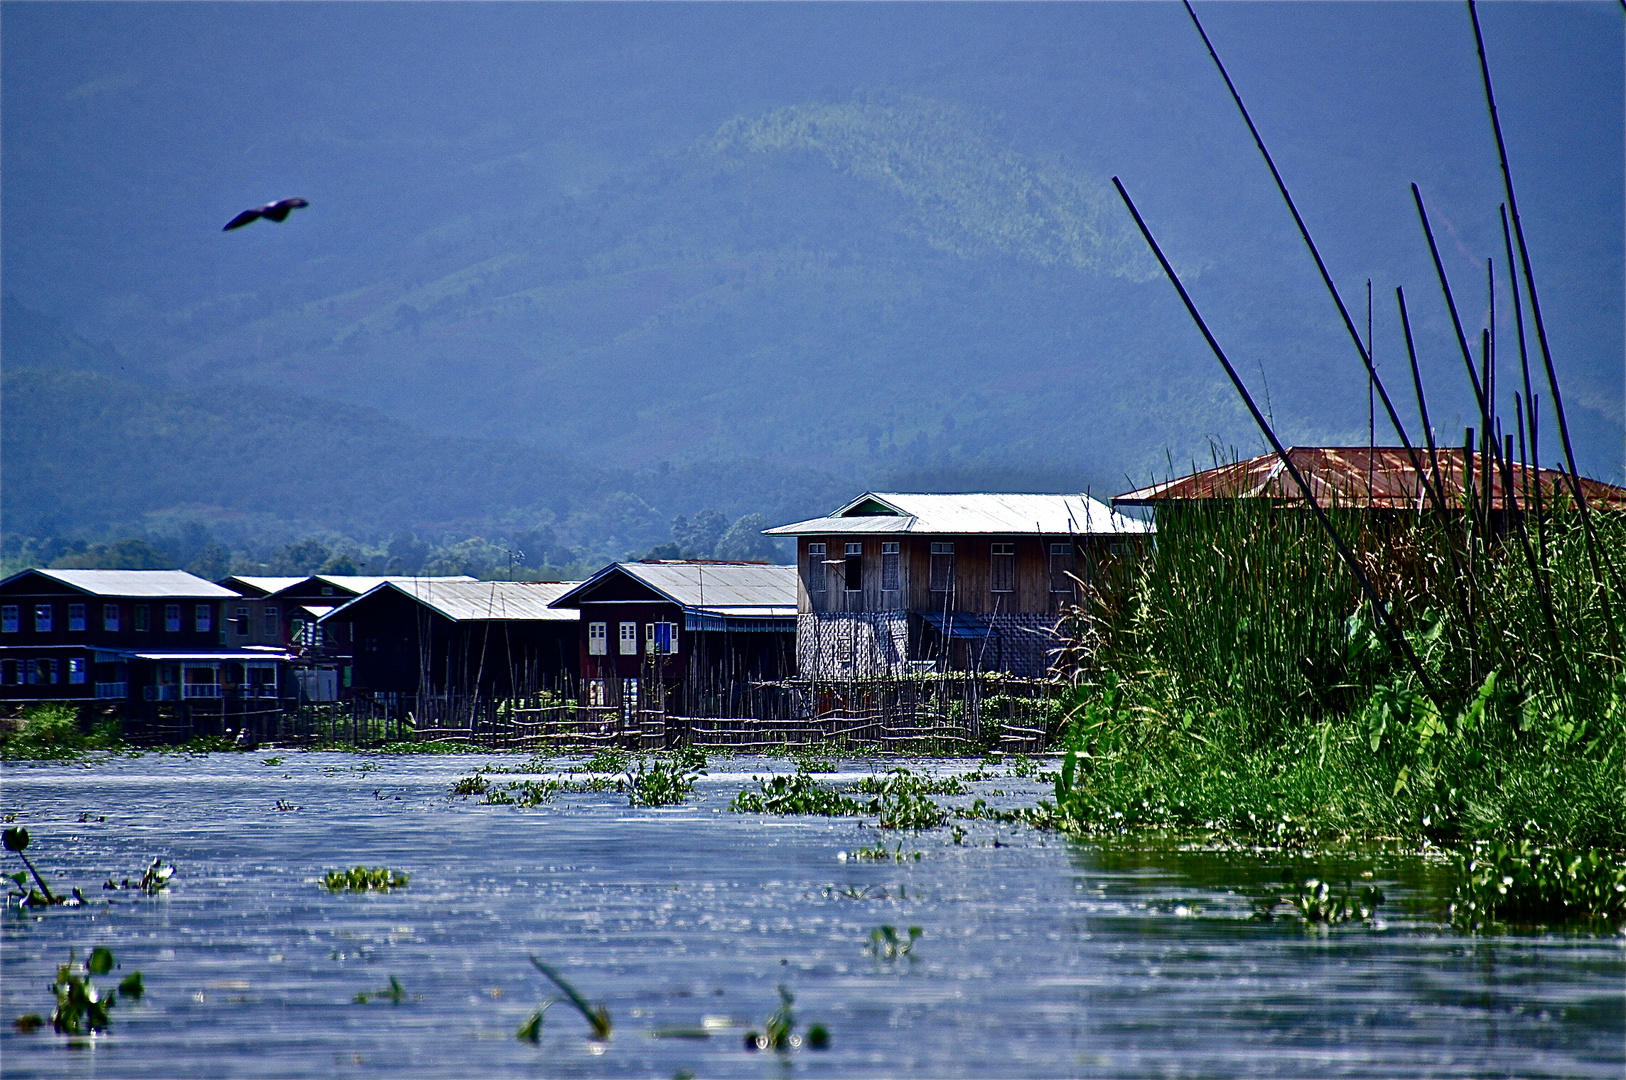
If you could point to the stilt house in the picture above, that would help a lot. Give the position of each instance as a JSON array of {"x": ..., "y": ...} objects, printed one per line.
[
  {"x": 895, "y": 583},
  {"x": 683, "y": 635}
]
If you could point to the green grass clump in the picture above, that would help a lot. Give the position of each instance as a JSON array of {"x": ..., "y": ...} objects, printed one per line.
[
  {"x": 364, "y": 879},
  {"x": 1237, "y": 685}
]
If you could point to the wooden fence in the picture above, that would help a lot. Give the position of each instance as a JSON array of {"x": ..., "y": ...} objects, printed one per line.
[{"x": 932, "y": 714}]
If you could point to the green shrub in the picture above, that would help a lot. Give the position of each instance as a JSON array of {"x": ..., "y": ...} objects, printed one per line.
[{"x": 48, "y": 730}]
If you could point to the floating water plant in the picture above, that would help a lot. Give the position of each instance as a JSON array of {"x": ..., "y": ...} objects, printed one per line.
[
  {"x": 901, "y": 781},
  {"x": 798, "y": 794},
  {"x": 17, "y": 840},
  {"x": 908, "y": 812},
  {"x": 81, "y": 1005},
  {"x": 531, "y": 1030},
  {"x": 886, "y": 944},
  {"x": 471, "y": 785},
  {"x": 597, "y": 1016},
  {"x": 154, "y": 880},
  {"x": 801, "y": 794},
  {"x": 779, "y": 1030},
  {"x": 661, "y": 783},
  {"x": 527, "y": 792},
  {"x": 606, "y": 760},
  {"x": 394, "y": 993},
  {"x": 364, "y": 879},
  {"x": 878, "y": 853},
  {"x": 1521, "y": 884},
  {"x": 1314, "y": 901}
]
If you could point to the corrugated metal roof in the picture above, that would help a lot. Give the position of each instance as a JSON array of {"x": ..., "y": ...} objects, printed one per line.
[
  {"x": 468, "y": 600},
  {"x": 737, "y": 588},
  {"x": 1001, "y": 514},
  {"x": 171, "y": 583},
  {"x": 360, "y": 583},
  {"x": 264, "y": 585},
  {"x": 1362, "y": 477}
]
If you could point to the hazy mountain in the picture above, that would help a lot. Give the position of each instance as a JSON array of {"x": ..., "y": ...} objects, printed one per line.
[{"x": 554, "y": 250}]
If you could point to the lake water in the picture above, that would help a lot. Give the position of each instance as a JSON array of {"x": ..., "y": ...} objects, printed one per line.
[{"x": 1039, "y": 957}]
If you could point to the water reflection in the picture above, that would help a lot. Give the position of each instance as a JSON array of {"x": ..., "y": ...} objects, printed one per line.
[{"x": 1038, "y": 957}]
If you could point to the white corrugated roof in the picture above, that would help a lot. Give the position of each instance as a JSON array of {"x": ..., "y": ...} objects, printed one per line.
[
  {"x": 736, "y": 588},
  {"x": 176, "y": 583},
  {"x": 267, "y": 585},
  {"x": 361, "y": 583},
  {"x": 468, "y": 600},
  {"x": 988, "y": 513}
]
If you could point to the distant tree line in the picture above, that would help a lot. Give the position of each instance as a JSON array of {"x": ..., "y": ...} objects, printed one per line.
[{"x": 535, "y": 553}]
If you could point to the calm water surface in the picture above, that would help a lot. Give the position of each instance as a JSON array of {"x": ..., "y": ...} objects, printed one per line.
[{"x": 1039, "y": 957}]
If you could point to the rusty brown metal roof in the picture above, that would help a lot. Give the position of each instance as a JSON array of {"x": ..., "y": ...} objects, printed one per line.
[{"x": 1380, "y": 478}]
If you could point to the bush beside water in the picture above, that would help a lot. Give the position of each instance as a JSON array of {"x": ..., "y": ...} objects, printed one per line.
[
  {"x": 52, "y": 730},
  {"x": 1237, "y": 685}
]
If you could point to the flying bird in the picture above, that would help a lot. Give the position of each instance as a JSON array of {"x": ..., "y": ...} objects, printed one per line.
[{"x": 277, "y": 211}]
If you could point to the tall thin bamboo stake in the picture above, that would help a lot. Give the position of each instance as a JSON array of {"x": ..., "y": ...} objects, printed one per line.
[
  {"x": 1309, "y": 242},
  {"x": 1397, "y": 637}
]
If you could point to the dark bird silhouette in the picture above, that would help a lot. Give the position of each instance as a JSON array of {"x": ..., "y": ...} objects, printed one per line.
[{"x": 277, "y": 211}]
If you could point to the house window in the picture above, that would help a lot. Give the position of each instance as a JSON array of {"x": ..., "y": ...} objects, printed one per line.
[
  {"x": 1061, "y": 570},
  {"x": 110, "y": 618},
  {"x": 1002, "y": 567},
  {"x": 77, "y": 669},
  {"x": 273, "y": 621},
  {"x": 241, "y": 622},
  {"x": 42, "y": 618},
  {"x": 815, "y": 568},
  {"x": 942, "y": 568},
  {"x": 854, "y": 567},
  {"x": 660, "y": 638},
  {"x": 629, "y": 639},
  {"x": 76, "y": 617},
  {"x": 597, "y": 694},
  {"x": 327, "y": 590},
  {"x": 889, "y": 566},
  {"x": 598, "y": 635},
  {"x": 9, "y": 619},
  {"x": 42, "y": 672},
  {"x": 203, "y": 618},
  {"x": 172, "y": 618},
  {"x": 143, "y": 616},
  {"x": 11, "y": 672},
  {"x": 629, "y": 696}
]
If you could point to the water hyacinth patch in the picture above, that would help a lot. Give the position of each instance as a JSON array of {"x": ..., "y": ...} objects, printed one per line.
[
  {"x": 878, "y": 853},
  {"x": 662, "y": 782},
  {"x": 154, "y": 880},
  {"x": 801, "y": 794},
  {"x": 81, "y": 1005},
  {"x": 1313, "y": 901},
  {"x": 1523, "y": 885},
  {"x": 779, "y": 1030},
  {"x": 885, "y": 943},
  {"x": 365, "y": 879},
  {"x": 901, "y": 781}
]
